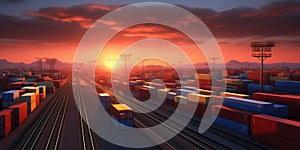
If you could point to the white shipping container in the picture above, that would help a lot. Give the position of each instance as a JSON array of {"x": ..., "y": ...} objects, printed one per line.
[
  {"x": 31, "y": 89},
  {"x": 28, "y": 97}
]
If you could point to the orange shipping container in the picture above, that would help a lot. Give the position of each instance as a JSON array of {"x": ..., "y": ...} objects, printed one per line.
[{"x": 5, "y": 122}]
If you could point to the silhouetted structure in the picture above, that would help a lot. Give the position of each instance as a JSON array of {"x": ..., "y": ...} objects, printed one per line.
[{"x": 262, "y": 51}]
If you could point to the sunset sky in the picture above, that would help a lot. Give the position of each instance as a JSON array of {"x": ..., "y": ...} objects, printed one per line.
[{"x": 33, "y": 28}]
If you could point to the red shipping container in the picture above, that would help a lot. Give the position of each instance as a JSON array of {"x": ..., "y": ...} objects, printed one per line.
[
  {"x": 204, "y": 82},
  {"x": 42, "y": 96},
  {"x": 236, "y": 115},
  {"x": 144, "y": 93},
  {"x": 21, "y": 92},
  {"x": 50, "y": 89},
  {"x": 5, "y": 122},
  {"x": 276, "y": 132},
  {"x": 170, "y": 101},
  {"x": 292, "y": 101},
  {"x": 201, "y": 108},
  {"x": 121, "y": 111},
  {"x": 15, "y": 85},
  {"x": 37, "y": 100},
  {"x": 170, "y": 85},
  {"x": 21, "y": 112}
]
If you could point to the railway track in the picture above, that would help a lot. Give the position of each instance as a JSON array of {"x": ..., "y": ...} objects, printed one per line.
[
  {"x": 241, "y": 143},
  {"x": 87, "y": 138},
  {"x": 201, "y": 143},
  {"x": 44, "y": 134}
]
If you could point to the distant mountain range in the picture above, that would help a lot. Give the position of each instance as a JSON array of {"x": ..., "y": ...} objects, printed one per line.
[
  {"x": 59, "y": 65},
  {"x": 233, "y": 64}
]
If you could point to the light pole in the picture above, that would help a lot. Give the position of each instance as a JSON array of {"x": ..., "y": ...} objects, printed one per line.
[
  {"x": 214, "y": 72},
  {"x": 125, "y": 58},
  {"x": 262, "y": 51}
]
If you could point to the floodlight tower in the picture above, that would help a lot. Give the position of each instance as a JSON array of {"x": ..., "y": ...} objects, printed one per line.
[
  {"x": 214, "y": 61},
  {"x": 125, "y": 58},
  {"x": 180, "y": 62},
  {"x": 262, "y": 51}
]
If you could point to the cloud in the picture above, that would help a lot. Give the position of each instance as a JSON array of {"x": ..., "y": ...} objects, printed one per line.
[
  {"x": 39, "y": 30},
  {"x": 85, "y": 14},
  {"x": 68, "y": 24}
]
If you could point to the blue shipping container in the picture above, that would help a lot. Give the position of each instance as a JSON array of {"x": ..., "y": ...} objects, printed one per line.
[
  {"x": 190, "y": 88},
  {"x": 232, "y": 125},
  {"x": 249, "y": 105},
  {"x": 170, "y": 95},
  {"x": 281, "y": 111},
  {"x": 253, "y": 88}
]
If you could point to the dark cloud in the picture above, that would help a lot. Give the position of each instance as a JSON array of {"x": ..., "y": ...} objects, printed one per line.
[
  {"x": 13, "y": 1},
  {"x": 39, "y": 29},
  {"x": 68, "y": 24}
]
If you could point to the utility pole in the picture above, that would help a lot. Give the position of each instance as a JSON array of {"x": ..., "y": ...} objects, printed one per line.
[
  {"x": 180, "y": 62},
  {"x": 262, "y": 51},
  {"x": 214, "y": 71},
  {"x": 40, "y": 59},
  {"x": 125, "y": 58},
  {"x": 52, "y": 62}
]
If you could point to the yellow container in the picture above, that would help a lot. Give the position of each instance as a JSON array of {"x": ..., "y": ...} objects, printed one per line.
[
  {"x": 199, "y": 98},
  {"x": 180, "y": 100},
  {"x": 228, "y": 94}
]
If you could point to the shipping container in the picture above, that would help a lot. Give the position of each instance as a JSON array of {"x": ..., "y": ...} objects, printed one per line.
[
  {"x": 203, "y": 83},
  {"x": 184, "y": 92},
  {"x": 15, "y": 85},
  {"x": 253, "y": 88},
  {"x": 237, "y": 82},
  {"x": 292, "y": 101},
  {"x": 249, "y": 105},
  {"x": 291, "y": 87},
  {"x": 121, "y": 111},
  {"x": 105, "y": 100},
  {"x": 5, "y": 122},
  {"x": 30, "y": 98},
  {"x": 48, "y": 84},
  {"x": 50, "y": 89},
  {"x": 42, "y": 90},
  {"x": 12, "y": 95},
  {"x": 6, "y": 104},
  {"x": 162, "y": 93},
  {"x": 236, "y": 115},
  {"x": 229, "y": 94},
  {"x": 203, "y": 76},
  {"x": 31, "y": 89},
  {"x": 232, "y": 125},
  {"x": 170, "y": 98},
  {"x": 122, "y": 124},
  {"x": 201, "y": 108},
  {"x": 144, "y": 93},
  {"x": 189, "y": 88},
  {"x": 20, "y": 113},
  {"x": 180, "y": 99},
  {"x": 170, "y": 85},
  {"x": 56, "y": 83},
  {"x": 205, "y": 92},
  {"x": 198, "y": 98},
  {"x": 190, "y": 82},
  {"x": 275, "y": 132},
  {"x": 30, "y": 84},
  {"x": 37, "y": 100}
]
